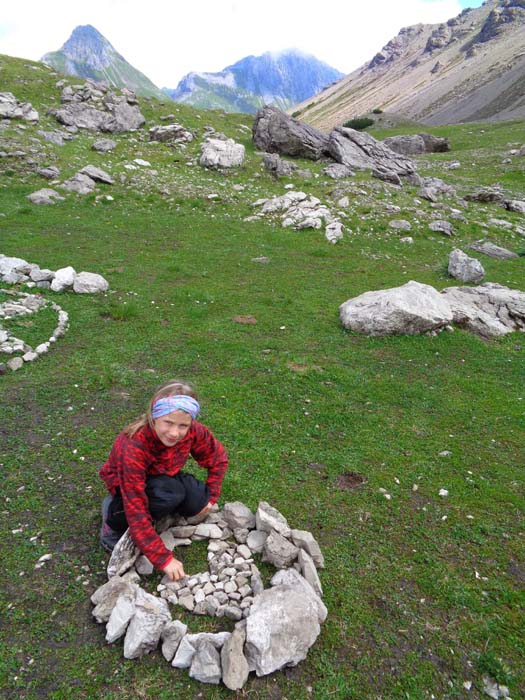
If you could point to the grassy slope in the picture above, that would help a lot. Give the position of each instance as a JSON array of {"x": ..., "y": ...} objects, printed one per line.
[{"x": 417, "y": 603}]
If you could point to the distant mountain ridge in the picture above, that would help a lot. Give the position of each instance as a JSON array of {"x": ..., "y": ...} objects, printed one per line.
[
  {"x": 88, "y": 54},
  {"x": 470, "y": 68},
  {"x": 281, "y": 79}
]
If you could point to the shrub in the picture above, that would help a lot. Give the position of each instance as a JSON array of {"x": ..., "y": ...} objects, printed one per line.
[
  {"x": 359, "y": 123},
  {"x": 377, "y": 110}
]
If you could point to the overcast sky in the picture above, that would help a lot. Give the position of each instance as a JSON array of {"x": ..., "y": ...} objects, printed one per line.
[{"x": 166, "y": 39}]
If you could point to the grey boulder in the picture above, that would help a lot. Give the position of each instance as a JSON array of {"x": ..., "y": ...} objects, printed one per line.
[
  {"x": 235, "y": 668},
  {"x": 411, "y": 309},
  {"x": 145, "y": 627},
  {"x": 237, "y": 515},
  {"x": 45, "y": 196},
  {"x": 275, "y": 132},
  {"x": 361, "y": 151},
  {"x": 89, "y": 283},
  {"x": 206, "y": 664},
  {"x": 282, "y": 626},
  {"x": 490, "y": 310},
  {"x": 279, "y": 551},
  {"x": 97, "y": 174},
  {"x": 464, "y": 268},
  {"x": 217, "y": 153},
  {"x": 492, "y": 250},
  {"x": 268, "y": 518}
]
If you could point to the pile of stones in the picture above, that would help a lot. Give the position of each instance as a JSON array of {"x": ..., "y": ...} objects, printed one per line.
[
  {"x": 19, "y": 271},
  {"x": 93, "y": 106},
  {"x": 21, "y": 305},
  {"x": 300, "y": 211},
  {"x": 274, "y": 627},
  {"x": 11, "y": 108}
]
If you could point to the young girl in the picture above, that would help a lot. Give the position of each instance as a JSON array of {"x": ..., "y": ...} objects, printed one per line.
[{"x": 144, "y": 478}]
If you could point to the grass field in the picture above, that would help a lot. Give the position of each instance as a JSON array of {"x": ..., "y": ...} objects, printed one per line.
[{"x": 425, "y": 593}]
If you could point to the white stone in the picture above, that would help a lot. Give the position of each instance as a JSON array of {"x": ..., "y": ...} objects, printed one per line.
[
  {"x": 171, "y": 635},
  {"x": 411, "y": 309},
  {"x": 464, "y": 268},
  {"x": 281, "y": 627},
  {"x": 217, "y": 153},
  {"x": 268, "y": 518},
  {"x": 64, "y": 279},
  {"x": 89, "y": 283},
  {"x": 145, "y": 627}
]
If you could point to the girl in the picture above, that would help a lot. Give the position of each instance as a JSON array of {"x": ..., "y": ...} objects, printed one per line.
[{"x": 144, "y": 478}]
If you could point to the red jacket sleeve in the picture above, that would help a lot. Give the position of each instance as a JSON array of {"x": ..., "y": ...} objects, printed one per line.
[
  {"x": 209, "y": 453},
  {"x": 131, "y": 461}
]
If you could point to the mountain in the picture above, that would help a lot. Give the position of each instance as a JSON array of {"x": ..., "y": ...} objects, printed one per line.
[
  {"x": 281, "y": 79},
  {"x": 90, "y": 55},
  {"x": 471, "y": 68}
]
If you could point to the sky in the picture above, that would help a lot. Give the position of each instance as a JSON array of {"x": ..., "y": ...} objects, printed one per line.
[{"x": 165, "y": 39}]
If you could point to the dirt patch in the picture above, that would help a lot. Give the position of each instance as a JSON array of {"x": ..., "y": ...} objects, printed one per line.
[
  {"x": 517, "y": 570},
  {"x": 349, "y": 481}
]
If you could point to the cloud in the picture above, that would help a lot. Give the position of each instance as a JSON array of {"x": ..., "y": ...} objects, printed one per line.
[{"x": 166, "y": 39}]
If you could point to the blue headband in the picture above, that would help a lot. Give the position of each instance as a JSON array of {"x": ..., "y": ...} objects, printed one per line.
[{"x": 168, "y": 404}]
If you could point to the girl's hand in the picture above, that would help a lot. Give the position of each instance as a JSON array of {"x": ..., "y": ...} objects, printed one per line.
[
  {"x": 204, "y": 511},
  {"x": 174, "y": 570}
]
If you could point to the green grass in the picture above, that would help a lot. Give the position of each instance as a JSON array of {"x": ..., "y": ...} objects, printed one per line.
[{"x": 423, "y": 592}]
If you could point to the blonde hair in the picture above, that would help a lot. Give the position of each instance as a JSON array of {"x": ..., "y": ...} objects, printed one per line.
[{"x": 174, "y": 387}]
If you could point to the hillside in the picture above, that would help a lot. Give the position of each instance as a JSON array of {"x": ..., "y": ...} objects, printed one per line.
[
  {"x": 470, "y": 68},
  {"x": 88, "y": 54},
  {"x": 281, "y": 79},
  {"x": 402, "y": 455}
]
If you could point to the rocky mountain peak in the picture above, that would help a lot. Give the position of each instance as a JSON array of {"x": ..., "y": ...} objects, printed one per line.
[{"x": 87, "y": 45}]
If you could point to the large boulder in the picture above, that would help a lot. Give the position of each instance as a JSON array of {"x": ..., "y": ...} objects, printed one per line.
[
  {"x": 361, "y": 151},
  {"x": 275, "y": 132},
  {"x": 89, "y": 283},
  {"x": 282, "y": 626},
  {"x": 407, "y": 145},
  {"x": 464, "y": 268},
  {"x": 490, "y": 310},
  {"x": 411, "y": 309},
  {"x": 217, "y": 153}
]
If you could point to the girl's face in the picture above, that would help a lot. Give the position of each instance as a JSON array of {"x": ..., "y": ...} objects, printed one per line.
[{"x": 172, "y": 427}]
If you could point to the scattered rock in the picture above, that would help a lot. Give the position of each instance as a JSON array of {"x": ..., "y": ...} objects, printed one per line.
[
  {"x": 97, "y": 174},
  {"x": 465, "y": 269},
  {"x": 217, "y": 153},
  {"x": 104, "y": 145},
  {"x": 80, "y": 183},
  {"x": 173, "y": 134},
  {"x": 492, "y": 250},
  {"x": 45, "y": 196}
]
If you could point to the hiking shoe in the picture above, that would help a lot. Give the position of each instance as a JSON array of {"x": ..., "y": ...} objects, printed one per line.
[{"x": 108, "y": 536}]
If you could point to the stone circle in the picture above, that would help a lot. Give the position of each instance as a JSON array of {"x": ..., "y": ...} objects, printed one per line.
[
  {"x": 274, "y": 627},
  {"x": 23, "y": 304}
]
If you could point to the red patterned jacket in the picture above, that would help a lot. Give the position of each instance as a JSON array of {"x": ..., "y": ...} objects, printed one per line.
[{"x": 132, "y": 459}]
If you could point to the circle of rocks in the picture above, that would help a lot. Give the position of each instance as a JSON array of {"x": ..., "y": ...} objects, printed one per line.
[
  {"x": 274, "y": 627},
  {"x": 20, "y": 305}
]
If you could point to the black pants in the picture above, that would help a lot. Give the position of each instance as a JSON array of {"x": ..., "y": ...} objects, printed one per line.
[{"x": 181, "y": 494}]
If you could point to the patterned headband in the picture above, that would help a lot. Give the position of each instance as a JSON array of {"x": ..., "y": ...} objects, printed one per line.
[{"x": 180, "y": 402}]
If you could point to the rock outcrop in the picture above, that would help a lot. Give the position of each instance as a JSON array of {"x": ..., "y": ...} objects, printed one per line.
[
  {"x": 94, "y": 107},
  {"x": 275, "y": 132}
]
